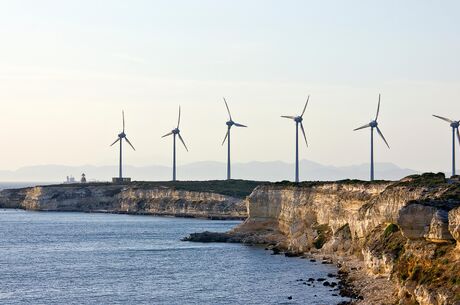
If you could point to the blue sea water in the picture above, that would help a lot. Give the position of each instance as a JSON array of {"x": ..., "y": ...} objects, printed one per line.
[
  {"x": 78, "y": 258},
  {"x": 15, "y": 185}
]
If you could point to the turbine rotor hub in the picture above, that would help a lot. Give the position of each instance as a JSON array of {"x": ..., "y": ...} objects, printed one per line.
[
  {"x": 176, "y": 131},
  {"x": 373, "y": 124},
  {"x": 230, "y": 123},
  {"x": 122, "y": 135},
  {"x": 298, "y": 119},
  {"x": 455, "y": 124}
]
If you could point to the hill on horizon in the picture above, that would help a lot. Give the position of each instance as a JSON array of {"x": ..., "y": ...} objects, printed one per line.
[{"x": 208, "y": 170}]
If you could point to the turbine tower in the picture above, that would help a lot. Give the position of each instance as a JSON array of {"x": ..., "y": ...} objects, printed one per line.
[
  {"x": 454, "y": 125},
  {"x": 374, "y": 124},
  {"x": 122, "y": 136},
  {"x": 230, "y": 123},
  {"x": 175, "y": 132},
  {"x": 298, "y": 121}
]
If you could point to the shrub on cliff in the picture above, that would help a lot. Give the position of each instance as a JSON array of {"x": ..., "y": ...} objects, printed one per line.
[{"x": 233, "y": 188}]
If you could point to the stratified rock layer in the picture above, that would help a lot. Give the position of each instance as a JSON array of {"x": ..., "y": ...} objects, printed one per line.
[
  {"x": 404, "y": 231},
  {"x": 129, "y": 199}
]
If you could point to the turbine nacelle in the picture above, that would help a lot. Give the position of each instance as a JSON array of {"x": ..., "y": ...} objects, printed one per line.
[
  {"x": 298, "y": 119},
  {"x": 455, "y": 124},
  {"x": 175, "y": 131},
  {"x": 373, "y": 124},
  {"x": 230, "y": 123},
  {"x": 122, "y": 135}
]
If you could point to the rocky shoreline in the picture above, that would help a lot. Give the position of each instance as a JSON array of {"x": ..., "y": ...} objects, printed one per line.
[
  {"x": 339, "y": 283},
  {"x": 393, "y": 242},
  {"x": 135, "y": 198}
]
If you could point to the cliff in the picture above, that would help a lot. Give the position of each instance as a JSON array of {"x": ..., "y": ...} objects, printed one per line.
[
  {"x": 180, "y": 199},
  {"x": 405, "y": 234}
]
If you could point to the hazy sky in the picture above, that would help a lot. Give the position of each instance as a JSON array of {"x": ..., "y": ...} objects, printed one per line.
[{"x": 67, "y": 68}]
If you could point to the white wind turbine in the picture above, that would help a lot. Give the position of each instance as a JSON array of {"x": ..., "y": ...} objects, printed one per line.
[
  {"x": 122, "y": 136},
  {"x": 374, "y": 124},
  {"x": 455, "y": 125},
  {"x": 298, "y": 122},
  {"x": 229, "y": 123},
  {"x": 175, "y": 132}
]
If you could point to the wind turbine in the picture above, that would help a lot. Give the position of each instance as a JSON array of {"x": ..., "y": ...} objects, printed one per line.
[
  {"x": 374, "y": 124},
  {"x": 175, "y": 132},
  {"x": 298, "y": 121},
  {"x": 454, "y": 125},
  {"x": 122, "y": 136},
  {"x": 229, "y": 123}
]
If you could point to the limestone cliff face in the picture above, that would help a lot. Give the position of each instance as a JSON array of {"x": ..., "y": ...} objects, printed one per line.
[
  {"x": 359, "y": 206},
  {"x": 454, "y": 224},
  {"x": 125, "y": 199},
  {"x": 12, "y": 199},
  {"x": 402, "y": 230},
  {"x": 166, "y": 201}
]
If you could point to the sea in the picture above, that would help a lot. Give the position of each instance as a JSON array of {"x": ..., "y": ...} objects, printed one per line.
[{"x": 88, "y": 258}]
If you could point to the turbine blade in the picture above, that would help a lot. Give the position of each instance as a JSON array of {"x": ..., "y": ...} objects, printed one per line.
[
  {"x": 115, "y": 142},
  {"x": 123, "y": 115},
  {"x": 378, "y": 109},
  {"x": 305, "y": 108},
  {"x": 228, "y": 110},
  {"x": 168, "y": 134},
  {"x": 178, "y": 120},
  {"x": 381, "y": 134},
  {"x": 442, "y": 118},
  {"x": 226, "y": 136},
  {"x": 129, "y": 143},
  {"x": 362, "y": 127},
  {"x": 182, "y": 140},
  {"x": 303, "y": 132},
  {"x": 240, "y": 125},
  {"x": 458, "y": 136},
  {"x": 288, "y": 117}
]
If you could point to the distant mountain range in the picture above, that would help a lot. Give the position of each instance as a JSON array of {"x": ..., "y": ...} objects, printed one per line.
[{"x": 262, "y": 171}]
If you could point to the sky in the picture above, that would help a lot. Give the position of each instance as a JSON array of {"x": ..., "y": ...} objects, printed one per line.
[{"x": 68, "y": 68}]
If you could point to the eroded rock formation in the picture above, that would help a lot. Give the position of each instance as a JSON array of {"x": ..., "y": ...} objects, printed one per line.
[
  {"x": 403, "y": 231},
  {"x": 129, "y": 199}
]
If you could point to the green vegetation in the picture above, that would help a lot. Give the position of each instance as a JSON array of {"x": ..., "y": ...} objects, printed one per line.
[
  {"x": 392, "y": 228},
  {"x": 234, "y": 188},
  {"x": 442, "y": 192},
  {"x": 387, "y": 241},
  {"x": 324, "y": 234},
  {"x": 319, "y": 183},
  {"x": 429, "y": 264},
  {"x": 423, "y": 180},
  {"x": 438, "y": 267}
]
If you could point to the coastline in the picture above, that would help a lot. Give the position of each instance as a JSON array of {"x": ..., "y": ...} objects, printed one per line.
[
  {"x": 391, "y": 240},
  {"x": 208, "y": 217},
  {"x": 394, "y": 242},
  {"x": 193, "y": 199}
]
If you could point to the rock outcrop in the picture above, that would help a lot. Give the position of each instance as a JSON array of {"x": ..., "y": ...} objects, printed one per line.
[
  {"x": 404, "y": 232},
  {"x": 454, "y": 224},
  {"x": 129, "y": 199}
]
